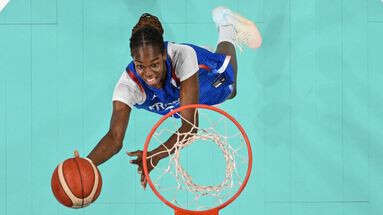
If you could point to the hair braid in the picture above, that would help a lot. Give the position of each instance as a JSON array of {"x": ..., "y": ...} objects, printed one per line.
[{"x": 148, "y": 31}]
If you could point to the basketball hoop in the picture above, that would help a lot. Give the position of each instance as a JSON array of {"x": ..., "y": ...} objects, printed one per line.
[{"x": 176, "y": 186}]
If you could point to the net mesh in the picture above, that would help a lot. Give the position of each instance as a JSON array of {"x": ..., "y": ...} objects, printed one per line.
[{"x": 176, "y": 183}]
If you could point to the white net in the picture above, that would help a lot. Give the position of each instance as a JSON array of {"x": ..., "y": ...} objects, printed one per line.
[{"x": 207, "y": 164}]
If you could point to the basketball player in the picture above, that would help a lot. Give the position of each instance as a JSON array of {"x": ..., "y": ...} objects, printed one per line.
[{"x": 164, "y": 76}]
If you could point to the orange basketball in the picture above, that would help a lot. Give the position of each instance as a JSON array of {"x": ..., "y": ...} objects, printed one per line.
[{"x": 76, "y": 182}]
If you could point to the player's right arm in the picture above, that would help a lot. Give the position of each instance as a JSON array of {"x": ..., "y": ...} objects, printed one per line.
[{"x": 111, "y": 143}]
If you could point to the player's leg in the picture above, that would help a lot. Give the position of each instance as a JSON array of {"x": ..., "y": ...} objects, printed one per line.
[
  {"x": 228, "y": 48},
  {"x": 234, "y": 30},
  {"x": 246, "y": 32}
]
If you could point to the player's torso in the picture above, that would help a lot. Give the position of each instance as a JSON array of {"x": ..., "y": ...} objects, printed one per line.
[
  {"x": 164, "y": 100},
  {"x": 157, "y": 100}
]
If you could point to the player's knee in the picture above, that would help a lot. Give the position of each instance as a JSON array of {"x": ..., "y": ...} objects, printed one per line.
[
  {"x": 233, "y": 94},
  {"x": 226, "y": 48}
]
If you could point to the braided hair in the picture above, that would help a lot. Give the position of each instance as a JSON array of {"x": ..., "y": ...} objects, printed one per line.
[{"x": 148, "y": 31}]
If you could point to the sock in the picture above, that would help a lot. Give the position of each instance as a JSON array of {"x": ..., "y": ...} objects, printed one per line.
[{"x": 226, "y": 33}]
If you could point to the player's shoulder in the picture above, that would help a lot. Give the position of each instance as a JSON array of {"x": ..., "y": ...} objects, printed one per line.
[
  {"x": 179, "y": 48},
  {"x": 180, "y": 52},
  {"x": 129, "y": 79},
  {"x": 128, "y": 89}
]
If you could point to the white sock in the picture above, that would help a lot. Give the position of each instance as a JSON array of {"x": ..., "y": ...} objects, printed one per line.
[{"x": 226, "y": 33}]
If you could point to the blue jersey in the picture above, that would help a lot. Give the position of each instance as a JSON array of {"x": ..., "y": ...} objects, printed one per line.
[{"x": 215, "y": 77}]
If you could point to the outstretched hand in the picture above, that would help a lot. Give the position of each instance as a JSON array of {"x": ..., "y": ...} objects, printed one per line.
[{"x": 150, "y": 163}]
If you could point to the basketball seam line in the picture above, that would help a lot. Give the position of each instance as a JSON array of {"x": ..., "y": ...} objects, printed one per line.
[
  {"x": 65, "y": 181},
  {"x": 82, "y": 185},
  {"x": 74, "y": 199}
]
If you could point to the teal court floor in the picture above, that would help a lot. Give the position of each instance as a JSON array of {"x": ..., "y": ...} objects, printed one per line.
[{"x": 310, "y": 99}]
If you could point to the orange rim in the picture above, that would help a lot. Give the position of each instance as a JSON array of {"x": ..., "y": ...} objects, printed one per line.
[{"x": 201, "y": 106}]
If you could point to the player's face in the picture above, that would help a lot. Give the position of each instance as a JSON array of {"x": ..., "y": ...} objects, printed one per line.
[{"x": 150, "y": 65}]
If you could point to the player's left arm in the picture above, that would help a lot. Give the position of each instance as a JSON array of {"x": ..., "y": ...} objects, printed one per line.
[
  {"x": 187, "y": 72},
  {"x": 189, "y": 90},
  {"x": 189, "y": 94}
]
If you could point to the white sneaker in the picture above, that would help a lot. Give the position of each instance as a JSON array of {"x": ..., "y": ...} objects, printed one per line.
[
  {"x": 246, "y": 32},
  {"x": 3, "y": 3}
]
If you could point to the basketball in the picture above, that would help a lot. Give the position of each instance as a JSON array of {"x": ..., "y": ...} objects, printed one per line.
[{"x": 76, "y": 182}]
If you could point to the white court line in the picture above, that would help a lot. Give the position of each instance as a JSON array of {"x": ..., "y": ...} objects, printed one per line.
[{"x": 3, "y": 3}]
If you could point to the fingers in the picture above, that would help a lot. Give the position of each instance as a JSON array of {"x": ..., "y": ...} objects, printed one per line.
[
  {"x": 135, "y": 153},
  {"x": 143, "y": 181},
  {"x": 136, "y": 161},
  {"x": 143, "y": 178},
  {"x": 138, "y": 154}
]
